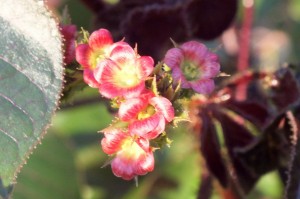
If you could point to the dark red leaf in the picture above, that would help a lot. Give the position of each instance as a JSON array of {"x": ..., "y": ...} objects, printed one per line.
[
  {"x": 269, "y": 96},
  {"x": 286, "y": 92},
  {"x": 209, "y": 18},
  {"x": 276, "y": 91},
  {"x": 237, "y": 136},
  {"x": 269, "y": 151},
  {"x": 94, "y": 5},
  {"x": 293, "y": 183},
  {"x": 205, "y": 190},
  {"x": 211, "y": 149},
  {"x": 152, "y": 27},
  {"x": 250, "y": 110},
  {"x": 151, "y": 23}
]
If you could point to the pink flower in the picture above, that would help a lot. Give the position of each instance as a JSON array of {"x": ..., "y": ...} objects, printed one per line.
[
  {"x": 69, "y": 34},
  {"x": 133, "y": 156},
  {"x": 124, "y": 73},
  {"x": 147, "y": 114},
  {"x": 98, "y": 48},
  {"x": 194, "y": 66}
]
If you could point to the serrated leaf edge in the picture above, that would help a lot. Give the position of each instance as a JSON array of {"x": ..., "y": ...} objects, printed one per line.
[{"x": 57, "y": 101}]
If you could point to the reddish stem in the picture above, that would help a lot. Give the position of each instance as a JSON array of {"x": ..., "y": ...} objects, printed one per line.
[{"x": 243, "y": 58}]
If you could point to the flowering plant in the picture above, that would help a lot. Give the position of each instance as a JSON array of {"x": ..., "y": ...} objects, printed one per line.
[
  {"x": 147, "y": 76},
  {"x": 130, "y": 81}
]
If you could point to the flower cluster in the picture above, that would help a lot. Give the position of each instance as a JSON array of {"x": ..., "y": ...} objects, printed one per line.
[
  {"x": 144, "y": 109},
  {"x": 119, "y": 72}
]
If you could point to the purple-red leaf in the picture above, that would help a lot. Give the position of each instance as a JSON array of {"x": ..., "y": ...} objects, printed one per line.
[
  {"x": 250, "y": 110},
  {"x": 211, "y": 150},
  {"x": 207, "y": 19},
  {"x": 237, "y": 136},
  {"x": 263, "y": 114},
  {"x": 94, "y": 5},
  {"x": 159, "y": 24},
  {"x": 271, "y": 150},
  {"x": 151, "y": 23},
  {"x": 285, "y": 92}
]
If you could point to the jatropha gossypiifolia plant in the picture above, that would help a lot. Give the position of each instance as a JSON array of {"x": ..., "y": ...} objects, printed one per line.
[
  {"x": 240, "y": 139},
  {"x": 245, "y": 124}
]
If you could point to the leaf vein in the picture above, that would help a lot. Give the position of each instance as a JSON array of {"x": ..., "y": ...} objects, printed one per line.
[
  {"x": 10, "y": 136},
  {"x": 20, "y": 108},
  {"x": 17, "y": 67}
]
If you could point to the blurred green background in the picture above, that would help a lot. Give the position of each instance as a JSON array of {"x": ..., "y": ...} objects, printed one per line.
[{"x": 67, "y": 165}]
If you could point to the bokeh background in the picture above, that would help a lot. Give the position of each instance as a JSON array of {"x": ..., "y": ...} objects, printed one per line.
[{"x": 68, "y": 164}]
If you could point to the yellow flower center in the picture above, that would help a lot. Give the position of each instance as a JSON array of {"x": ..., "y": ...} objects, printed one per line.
[
  {"x": 98, "y": 56},
  {"x": 126, "y": 77},
  {"x": 146, "y": 113},
  {"x": 131, "y": 150}
]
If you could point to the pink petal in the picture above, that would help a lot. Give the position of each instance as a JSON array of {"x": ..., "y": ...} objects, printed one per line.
[
  {"x": 100, "y": 39},
  {"x": 145, "y": 164},
  {"x": 142, "y": 127},
  {"x": 122, "y": 169},
  {"x": 134, "y": 91},
  {"x": 131, "y": 108},
  {"x": 178, "y": 77},
  {"x": 204, "y": 86},
  {"x": 135, "y": 159},
  {"x": 185, "y": 84},
  {"x": 105, "y": 71},
  {"x": 112, "y": 141},
  {"x": 146, "y": 95},
  {"x": 194, "y": 51},
  {"x": 210, "y": 69},
  {"x": 143, "y": 143},
  {"x": 83, "y": 55},
  {"x": 89, "y": 79},
  {"x": 163, "y": 106},
  {"x": 109, "y": 90},
  {"x": 213, "y": 57},
  {"x": 104, "y": 75},
  {"x": 117, "y": 44},
  {"x": 145, "y": 66},
  {"x": 156, "y": 131},
  {"x": 123, "y": 54},
  {"x": 174, "y": 58}
]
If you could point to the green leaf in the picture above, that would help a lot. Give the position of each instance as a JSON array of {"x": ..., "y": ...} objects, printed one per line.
[
  {"x": 31, "y": 76},
  {"x": 50, "y": 172},
  {"x": 82, "y": 120}
]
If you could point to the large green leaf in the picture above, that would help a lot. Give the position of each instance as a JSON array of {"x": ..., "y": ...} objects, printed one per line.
[
  {"x": 31, "y": 76},
  {"x": 50, "y": 172}
]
